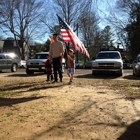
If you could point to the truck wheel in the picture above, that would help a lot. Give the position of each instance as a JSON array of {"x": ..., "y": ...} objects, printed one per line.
[
  {"x": 14, "y": 68},
  {"x": 121, "y": 73},
  {"x": 94, "y": 73},
  {"x": 29, "y": 72},
  {"x": 136, "y": 73},
  {"x": 133, "y": 73}
]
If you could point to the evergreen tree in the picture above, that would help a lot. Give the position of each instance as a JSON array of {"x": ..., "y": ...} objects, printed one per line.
[
  {"x": 133, "y": 30},
  {"x": 107, "y": 37}
]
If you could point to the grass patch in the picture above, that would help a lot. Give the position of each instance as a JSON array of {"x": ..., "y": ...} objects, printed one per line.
[
  {"x": 5, "y": 94},
  {"x": 9, "y": 114},
  {"x": 35, "y": 95},
  {"x": 130, "y": 88}
]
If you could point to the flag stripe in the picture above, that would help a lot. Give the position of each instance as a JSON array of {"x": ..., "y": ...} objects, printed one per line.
[{"x": 65, "y": 35}]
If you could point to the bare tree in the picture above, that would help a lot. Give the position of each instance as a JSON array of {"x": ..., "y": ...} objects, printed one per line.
[
  {"x": 110, "y": 15},
  {"x": 89, "y": 29},
  {"x": 70, "y": 10},
  {"x": 21, "y": 18},
  {"x": 117, "y": 15}
]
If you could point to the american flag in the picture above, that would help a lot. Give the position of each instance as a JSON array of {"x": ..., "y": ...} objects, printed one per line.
[{"x": 69, "y": 36}]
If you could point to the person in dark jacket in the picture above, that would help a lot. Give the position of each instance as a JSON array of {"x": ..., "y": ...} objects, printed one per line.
[{"x": 49, "y": 68}]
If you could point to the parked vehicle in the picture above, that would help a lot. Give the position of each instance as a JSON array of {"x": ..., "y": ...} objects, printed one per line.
[
  {"x": 136, "y": 66},
  {"x": 108, "y": 61},
  {"x": 88, "y": 64},
  {"x": 22, "y": 64},
  {"x": 79, "y": 65},
  {"x": 9, "y": 61},
  {"x": 127, "y": 66},
  {"x": 37, "y": 64},
  {"x": 126, "y": 63}
]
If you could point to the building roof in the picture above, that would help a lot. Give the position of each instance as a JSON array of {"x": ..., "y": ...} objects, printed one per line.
[{"x": 8, "y": 44}]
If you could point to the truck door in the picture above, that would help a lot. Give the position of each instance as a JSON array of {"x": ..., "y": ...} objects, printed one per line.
[{"x": 3, "y": 62}]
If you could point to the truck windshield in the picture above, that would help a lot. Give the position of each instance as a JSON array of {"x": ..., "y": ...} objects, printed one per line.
[
  {"x": 41, "y": 56},
  {"x": 108, "y": 56}
]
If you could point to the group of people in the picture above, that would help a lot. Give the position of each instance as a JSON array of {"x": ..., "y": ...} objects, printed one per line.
[{"x": 54, "y": 61}]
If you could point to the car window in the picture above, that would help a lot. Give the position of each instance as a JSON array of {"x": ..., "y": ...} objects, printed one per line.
[
  {"x": 16, "y": 57},
  {"x": 2, "y": 57},
  {"x": 90, "y": 61},
  {"x": 12, "y": 56},
  {"x": 138, "y": 60},
  {"x": 40, "y": 56},
  {"x": 108, "y": 56},
  {"x": 8, "y": 57}
]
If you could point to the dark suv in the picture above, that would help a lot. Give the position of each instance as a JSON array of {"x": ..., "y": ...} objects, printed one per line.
[{"x": 9, "y": 61}]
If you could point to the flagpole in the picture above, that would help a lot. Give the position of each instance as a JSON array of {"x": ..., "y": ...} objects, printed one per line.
[
  {"x": 77, "y": 35},
  {"x": 66, "y": 58}
]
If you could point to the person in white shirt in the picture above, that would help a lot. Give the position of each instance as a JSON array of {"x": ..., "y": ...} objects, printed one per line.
[{"x": 56, "y": 52}]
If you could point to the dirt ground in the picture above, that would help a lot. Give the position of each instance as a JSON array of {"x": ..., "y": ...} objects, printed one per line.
[{"x": 67, "y": 112}]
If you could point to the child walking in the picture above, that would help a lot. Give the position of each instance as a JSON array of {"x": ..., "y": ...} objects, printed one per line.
[
  {"x": 71, "y": 65},
  {"x": 49, "y": 68}
]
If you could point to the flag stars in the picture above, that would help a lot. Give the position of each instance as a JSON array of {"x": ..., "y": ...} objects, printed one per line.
[{"x": 63, "y": 25}]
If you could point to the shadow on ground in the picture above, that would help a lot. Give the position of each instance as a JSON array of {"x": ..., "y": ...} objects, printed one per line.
[
  {"x": 131, "y": 77},
  {"x": 132, "y": 132},
  {"x": 12, "y": 101},
  {"x": 79, "y": 116},
  {"x": 108, "y": 76},
  {"x": 34, "y": 86},
  {"x": 99, "y": 76},
  {"x": 25, "y": 75}
]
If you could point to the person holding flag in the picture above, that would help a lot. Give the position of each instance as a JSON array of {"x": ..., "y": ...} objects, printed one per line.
[
  {"x": 71, "y": 65},
  {"x": 56, "y": 53}
]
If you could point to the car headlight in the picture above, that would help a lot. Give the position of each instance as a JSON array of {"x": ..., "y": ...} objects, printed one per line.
[
  {"x": 41, "y": 63},
  {"x": 118, "y": 64},
  {"x": 138, "y": 66},
  {"x": 94, "y": 64},
  {"x": 27, "y": 63}
]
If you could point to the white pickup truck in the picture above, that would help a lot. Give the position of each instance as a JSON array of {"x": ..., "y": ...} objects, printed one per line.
[
  {"x": 108, "y": 61},
  {"x": 37, "y": 64}
]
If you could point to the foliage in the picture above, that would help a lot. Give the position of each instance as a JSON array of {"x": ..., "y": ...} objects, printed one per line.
[
  {"x": 47, "y": 45},
  {"x": 133, "y": 30},
  {"x": 9, "y": 38},
  {"x": 125, "y": 19},
  {"x": 107, "y": 37},
  {"x": 37, "y": 47}
]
